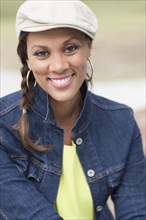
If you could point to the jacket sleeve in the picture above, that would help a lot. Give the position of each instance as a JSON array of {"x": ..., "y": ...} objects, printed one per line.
[
  {"x": 20, "y": 200},
  {"x": 130, "y": 196}
]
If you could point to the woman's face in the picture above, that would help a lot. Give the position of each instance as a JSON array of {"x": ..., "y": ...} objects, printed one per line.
[{"x": 58, "y": 60}]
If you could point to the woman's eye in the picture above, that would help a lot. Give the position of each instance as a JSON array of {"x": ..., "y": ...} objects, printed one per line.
[
  {"x": 71, "y": 49},
  {"x": 42, "y": 53}
]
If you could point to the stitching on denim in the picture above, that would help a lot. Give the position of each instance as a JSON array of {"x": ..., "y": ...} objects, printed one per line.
[
  {"x": 106, "y": 173},
  {"x": 38, "y": 163},
  {"x": 41, "y": 115},
  {"x": 9, "y": 108},
  {"x": 3, "y": 215},
  {"x": 115, "y": 106},
  {"x": 110, "y": 107},
  {"x": 35, "y": 161},
  {"x": 115, "y": 169}
]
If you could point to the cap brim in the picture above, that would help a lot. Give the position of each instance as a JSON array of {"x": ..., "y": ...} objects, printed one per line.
[{"x": 47, "y": 27}]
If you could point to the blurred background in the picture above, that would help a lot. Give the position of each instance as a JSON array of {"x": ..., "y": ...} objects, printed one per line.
[{"x": 118, "y": 52}]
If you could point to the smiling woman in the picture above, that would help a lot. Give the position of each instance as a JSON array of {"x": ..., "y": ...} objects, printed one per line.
[
  {"x": 65, "y": 150},
  {"x": 59, "y": 63}
]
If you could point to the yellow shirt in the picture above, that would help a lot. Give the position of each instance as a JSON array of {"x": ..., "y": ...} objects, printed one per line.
[{"x": 74, "y": 199}]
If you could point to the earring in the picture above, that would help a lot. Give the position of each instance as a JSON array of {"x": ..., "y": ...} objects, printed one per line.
[
  {"x": 92, "y": 70},
  {"x": 30, "y": 79}
]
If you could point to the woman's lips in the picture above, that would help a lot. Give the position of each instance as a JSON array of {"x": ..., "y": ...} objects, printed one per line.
[{"x": 61, "y": 82}]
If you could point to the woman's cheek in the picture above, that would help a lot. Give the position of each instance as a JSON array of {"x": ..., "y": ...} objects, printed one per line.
[
  {"x": 79, "y": 62},
  {"x": 39, "y": 68}
]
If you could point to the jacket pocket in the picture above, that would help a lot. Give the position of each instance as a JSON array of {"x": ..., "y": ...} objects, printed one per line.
[
  {"x": 114, "y": 175},
  {"x": 30, "y": 167}
]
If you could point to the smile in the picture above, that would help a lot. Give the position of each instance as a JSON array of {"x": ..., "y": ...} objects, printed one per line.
[{"x": 61, "y": 82}]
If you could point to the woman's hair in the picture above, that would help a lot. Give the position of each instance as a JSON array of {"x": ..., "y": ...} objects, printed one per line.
[{"x": 22, "y": 126}]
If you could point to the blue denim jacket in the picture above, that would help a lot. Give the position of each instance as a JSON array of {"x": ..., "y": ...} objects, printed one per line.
[{"x": 109, "y": 148}]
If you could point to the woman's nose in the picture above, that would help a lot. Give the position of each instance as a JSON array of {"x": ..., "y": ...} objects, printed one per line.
[{"x": 58, "y": 64}]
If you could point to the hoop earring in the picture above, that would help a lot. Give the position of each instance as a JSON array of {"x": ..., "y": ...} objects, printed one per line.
[
  {"x": 92, "y": 70},
  {"x": 27, "y": 81}
]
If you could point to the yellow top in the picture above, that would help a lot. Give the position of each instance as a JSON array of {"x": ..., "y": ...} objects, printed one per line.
[{"x": 74, "y": 200}]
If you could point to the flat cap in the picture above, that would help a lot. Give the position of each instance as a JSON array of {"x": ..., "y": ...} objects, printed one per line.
[{"x": 40, "y": 15}]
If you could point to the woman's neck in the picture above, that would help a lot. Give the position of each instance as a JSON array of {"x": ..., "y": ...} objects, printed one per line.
[
  {"x": 66, "y": 115},
  {"x": 67, "y": 112}
]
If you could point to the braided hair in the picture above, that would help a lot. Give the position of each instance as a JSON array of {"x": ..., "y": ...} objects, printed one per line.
[{"x": 22, "y": 127}]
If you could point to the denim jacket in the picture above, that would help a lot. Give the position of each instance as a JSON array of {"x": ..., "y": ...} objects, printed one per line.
[{"x": 109, "y": 148}]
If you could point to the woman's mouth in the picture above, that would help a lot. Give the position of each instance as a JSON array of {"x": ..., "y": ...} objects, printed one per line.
[{"x": 61, "y": 82}]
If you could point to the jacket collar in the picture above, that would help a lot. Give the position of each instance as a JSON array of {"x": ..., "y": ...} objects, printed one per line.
[
  {"x": 41, "y": 106},
  {"x": 86, "y": 113}
]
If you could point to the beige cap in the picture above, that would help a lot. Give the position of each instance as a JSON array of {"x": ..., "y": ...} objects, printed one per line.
[{"x": 40, "y": 15}]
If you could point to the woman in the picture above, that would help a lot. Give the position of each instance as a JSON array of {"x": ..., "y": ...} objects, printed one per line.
[{"x": 64, "y": 150}]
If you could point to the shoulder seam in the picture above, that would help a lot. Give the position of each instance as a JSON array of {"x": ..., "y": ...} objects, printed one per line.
[
  {"x": 9, "y": 108},
  {"x": 110, "y": 107},
  {"x": 113, "y": 106}
]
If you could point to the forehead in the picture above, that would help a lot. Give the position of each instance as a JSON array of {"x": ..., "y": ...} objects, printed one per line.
[{"x": 58, "y": 33}]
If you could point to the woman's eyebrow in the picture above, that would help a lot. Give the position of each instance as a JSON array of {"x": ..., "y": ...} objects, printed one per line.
[
  {"x": 72, "y": 38},
  {"x": 38, "y": 46}
]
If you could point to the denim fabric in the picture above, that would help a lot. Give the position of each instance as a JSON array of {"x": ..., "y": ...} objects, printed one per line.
[{"x": 109, "y": 148}]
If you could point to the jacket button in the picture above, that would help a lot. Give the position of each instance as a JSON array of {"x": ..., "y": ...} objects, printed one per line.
[
  {"x": 91, "y": 173},
  {"x": 79, "y": 141},
  {"x": 99, "y": 208}
]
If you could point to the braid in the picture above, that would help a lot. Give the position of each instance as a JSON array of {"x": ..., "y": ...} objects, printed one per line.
[
  {"x": 26, "y": 98},
  {"x": 27, "y": 94}
]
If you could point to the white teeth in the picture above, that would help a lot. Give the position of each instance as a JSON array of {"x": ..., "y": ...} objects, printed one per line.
[{"x": 61, "y": 81}]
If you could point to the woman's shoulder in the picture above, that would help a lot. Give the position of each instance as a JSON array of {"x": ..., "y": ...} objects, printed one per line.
[
  {"x": 107, "y": 104},
  {"x": 109, "y": 110},
  {"x": 9, "y": 102}
]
